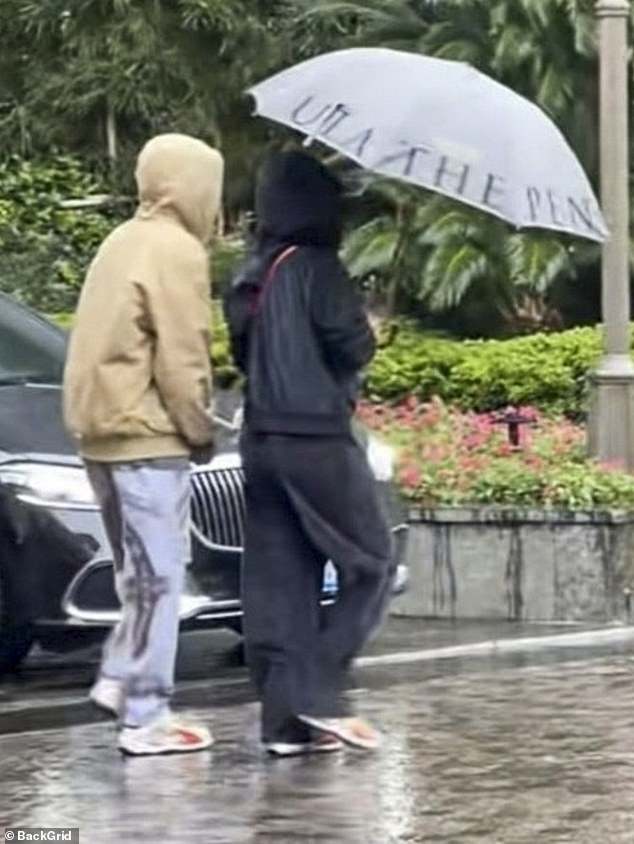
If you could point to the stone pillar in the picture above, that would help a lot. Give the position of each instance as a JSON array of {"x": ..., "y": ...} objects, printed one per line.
[{"x": 611, "y": 422}]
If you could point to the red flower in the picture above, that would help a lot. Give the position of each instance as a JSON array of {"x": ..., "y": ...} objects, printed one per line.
[
  {"x": 470, "y": 464},
  {"x": 411, "y": 476},
  {"x": 474, "y": 441}
]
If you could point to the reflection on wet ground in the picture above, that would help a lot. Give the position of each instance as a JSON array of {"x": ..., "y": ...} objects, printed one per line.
[{"x": 509, "y": 756}]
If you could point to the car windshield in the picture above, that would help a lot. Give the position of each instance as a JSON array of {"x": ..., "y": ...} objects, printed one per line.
[{"x": 32, "y": 350}]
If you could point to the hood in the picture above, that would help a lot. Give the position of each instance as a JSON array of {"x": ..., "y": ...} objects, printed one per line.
[
  {"x": 297, "y": 200},
  {"x": 182, "y": 176}
]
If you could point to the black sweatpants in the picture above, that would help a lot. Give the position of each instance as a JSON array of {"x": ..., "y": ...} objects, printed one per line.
[{"x": 309, "y": 499}]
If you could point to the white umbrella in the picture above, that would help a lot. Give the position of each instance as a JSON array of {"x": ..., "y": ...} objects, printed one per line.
[{"x": 441, "y": 125}]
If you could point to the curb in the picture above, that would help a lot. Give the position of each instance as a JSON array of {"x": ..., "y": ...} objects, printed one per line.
[{"x": 493, "y": 647}]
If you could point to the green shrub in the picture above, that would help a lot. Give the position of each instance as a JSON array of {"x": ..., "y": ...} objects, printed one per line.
[
  {"x": 44, "y": 247},
  {"x": 413, "y": 364},
  {"x": 226, "y": 255},
  {"x": 64, "y": 320},
  {"x": 547, "y": 371},
  {"x": 225, "y": 373}
]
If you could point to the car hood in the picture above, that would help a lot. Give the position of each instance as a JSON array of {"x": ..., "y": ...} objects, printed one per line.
[{"x": 31, "y": 421}]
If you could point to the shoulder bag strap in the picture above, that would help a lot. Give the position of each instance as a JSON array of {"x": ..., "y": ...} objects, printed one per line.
[{"x": 257, "y": 303}]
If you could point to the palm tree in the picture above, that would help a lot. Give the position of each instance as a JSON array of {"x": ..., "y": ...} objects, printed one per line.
[{"x": 435, "y": 251}]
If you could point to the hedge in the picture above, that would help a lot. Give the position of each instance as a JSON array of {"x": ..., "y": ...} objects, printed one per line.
[
  {"x": 547, "y": 371},
  {"x": 45, "y": 247}
]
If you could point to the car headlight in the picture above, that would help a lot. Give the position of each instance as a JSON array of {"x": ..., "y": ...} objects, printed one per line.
[
  {"x": 381, "y": 459},
  {"x": 47, "y": 485}
]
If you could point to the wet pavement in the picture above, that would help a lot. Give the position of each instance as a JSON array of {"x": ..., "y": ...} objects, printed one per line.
[
  {"x": 51, "y": 688},
  {"x": 487, "y": 750}
]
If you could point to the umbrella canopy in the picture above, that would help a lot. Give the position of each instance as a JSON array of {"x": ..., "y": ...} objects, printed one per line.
[{"x": 441, "y": 125}]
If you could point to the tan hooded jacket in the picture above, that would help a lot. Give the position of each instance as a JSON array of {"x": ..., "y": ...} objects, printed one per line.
[{"x": 138, "y": 379}]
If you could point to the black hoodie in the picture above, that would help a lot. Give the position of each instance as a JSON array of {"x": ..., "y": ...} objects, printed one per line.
[{"x": 298, "y": 333}]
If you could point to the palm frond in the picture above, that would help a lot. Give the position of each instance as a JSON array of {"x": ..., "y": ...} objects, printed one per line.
[
  {"x": 371, "y": 248},
  {"x": 554, "y": 90},
  {"x": 454, "y": 225},
  {"x": 513, "y": 48},
  {"x": 449, "y": 273},
  {"x": 536, "y": 261}
]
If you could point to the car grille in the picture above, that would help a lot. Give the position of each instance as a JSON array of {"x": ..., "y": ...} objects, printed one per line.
[{"x": 218, "y": 507}]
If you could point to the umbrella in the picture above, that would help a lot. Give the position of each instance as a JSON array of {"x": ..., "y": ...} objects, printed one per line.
[{"x": 442, "y": 125}]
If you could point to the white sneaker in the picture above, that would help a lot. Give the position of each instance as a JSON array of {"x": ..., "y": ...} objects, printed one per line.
[
  {"x": 168, "y": 734},
  {"x": 108, "y": 695}
]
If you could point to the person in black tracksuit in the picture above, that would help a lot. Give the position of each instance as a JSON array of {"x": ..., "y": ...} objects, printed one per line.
[{"x": 299, "y": 333}]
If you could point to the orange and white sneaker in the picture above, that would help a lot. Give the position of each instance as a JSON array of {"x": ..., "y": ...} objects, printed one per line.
[
  {"x": 168, "y": 734},
  {"x": 352, "y": 731}
]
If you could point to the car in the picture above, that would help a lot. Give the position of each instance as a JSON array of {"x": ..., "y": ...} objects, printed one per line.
[{"x": 56, "y": 567}]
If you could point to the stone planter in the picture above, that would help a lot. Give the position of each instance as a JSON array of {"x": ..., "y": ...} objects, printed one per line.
[{"x": 530, "y": 565}]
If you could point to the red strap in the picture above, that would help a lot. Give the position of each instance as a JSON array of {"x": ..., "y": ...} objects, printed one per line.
[{"x": 257, "y": 304}]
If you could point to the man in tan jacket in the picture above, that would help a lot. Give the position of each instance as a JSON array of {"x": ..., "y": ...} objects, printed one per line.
[{"x": 137, "y": 395}]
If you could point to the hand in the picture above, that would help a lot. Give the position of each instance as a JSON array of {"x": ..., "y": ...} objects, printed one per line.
[{"x": 202, "y": 455}]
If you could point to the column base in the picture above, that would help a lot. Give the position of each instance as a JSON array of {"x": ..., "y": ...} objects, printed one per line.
[{"x": 611, "y": 416}]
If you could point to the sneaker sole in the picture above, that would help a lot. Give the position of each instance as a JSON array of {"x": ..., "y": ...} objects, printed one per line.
[
  {"x": 146, "y": 750},
  {"x": 285, "y": 751}
]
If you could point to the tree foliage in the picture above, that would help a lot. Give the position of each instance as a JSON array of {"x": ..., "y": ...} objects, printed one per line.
[
  {"x": 95, "y": 78},
  {"x": 98, "y": 77}
]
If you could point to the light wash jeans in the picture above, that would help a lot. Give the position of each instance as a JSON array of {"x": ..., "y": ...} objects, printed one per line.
[{"x": 146, "y": 510}]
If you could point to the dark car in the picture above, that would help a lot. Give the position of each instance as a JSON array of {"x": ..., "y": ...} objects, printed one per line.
[{"x": 56, "y": 569}]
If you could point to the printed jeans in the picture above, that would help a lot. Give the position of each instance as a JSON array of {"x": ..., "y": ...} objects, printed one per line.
[{"x": 145, "y": 509}]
